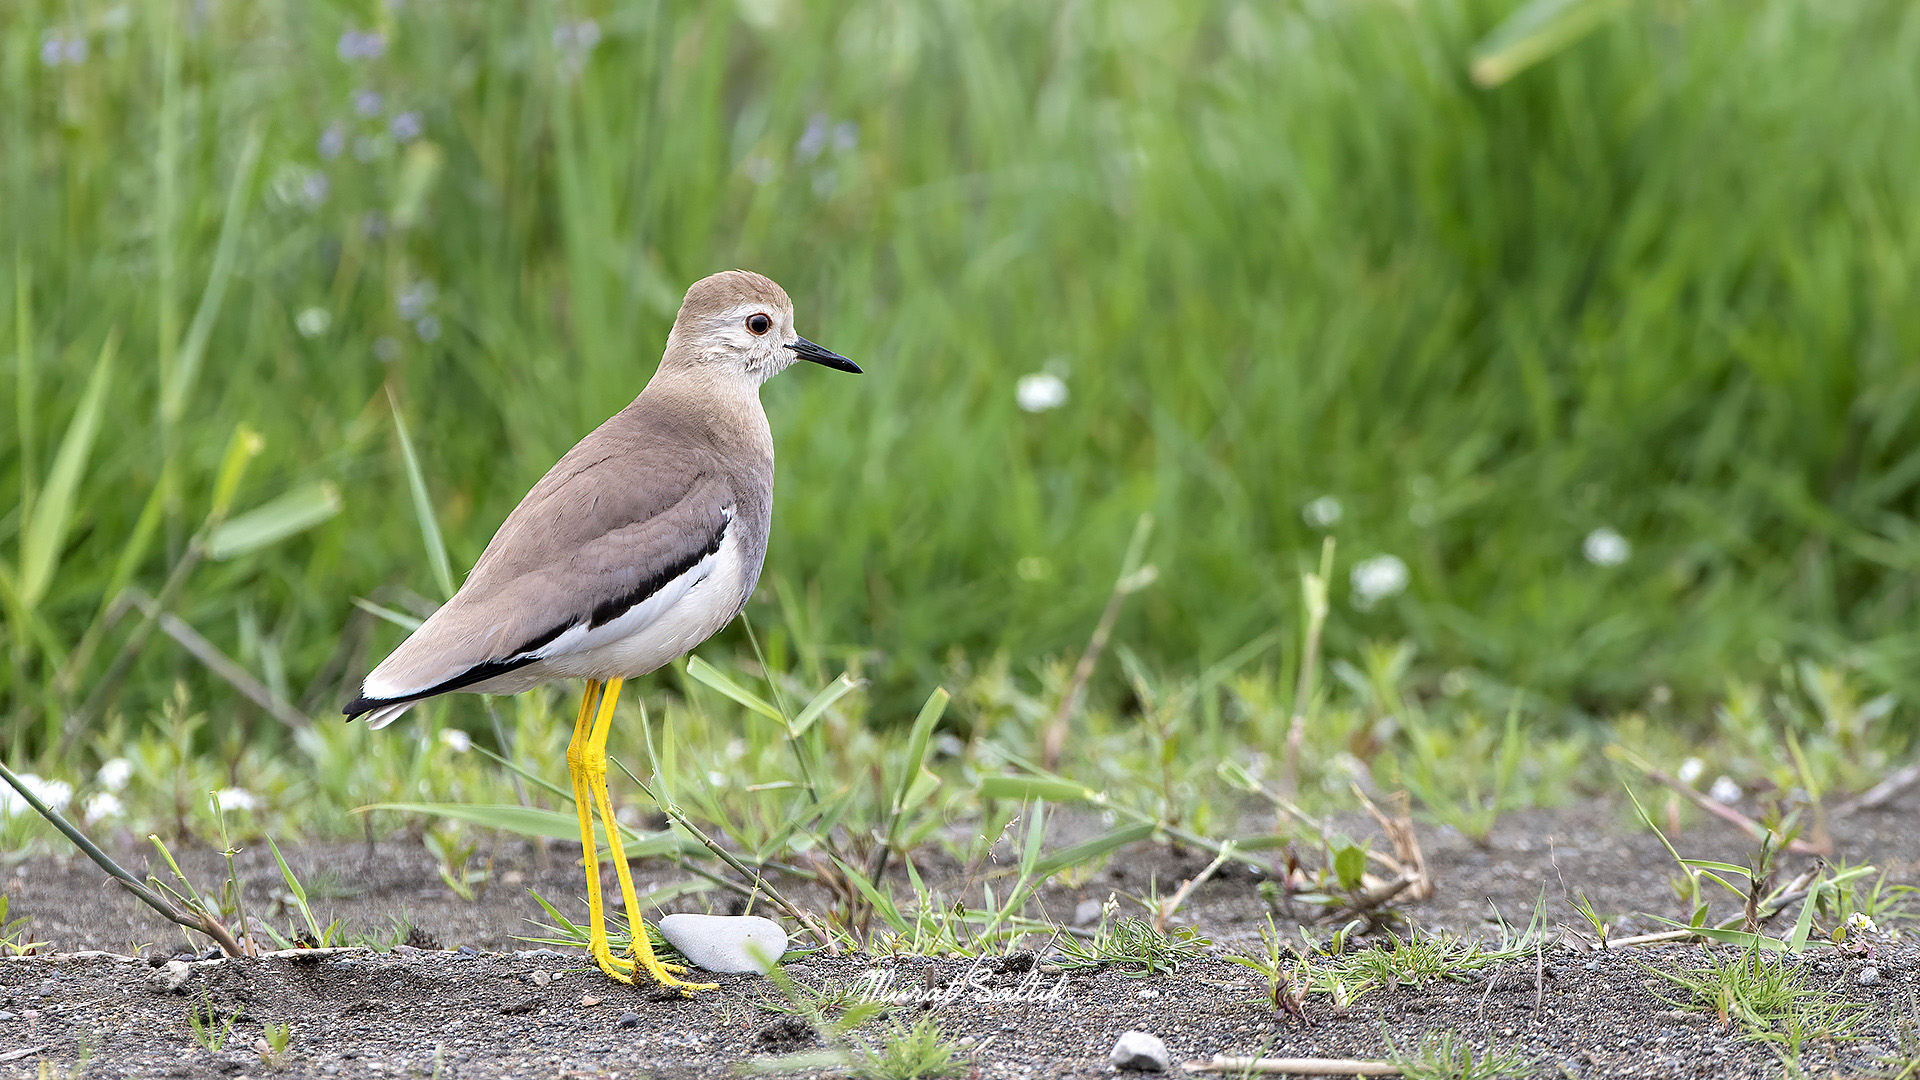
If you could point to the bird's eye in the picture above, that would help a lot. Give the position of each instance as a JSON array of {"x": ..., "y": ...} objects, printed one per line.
[{"x": 759, "y": 323}]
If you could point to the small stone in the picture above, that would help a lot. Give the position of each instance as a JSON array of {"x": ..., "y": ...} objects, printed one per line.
[
  {"x": 5, "y": 1015},
  {"x": 1149, "y": 994},
  {"x": 1087, "y": 912},
  {"x": 588, "y": 1001},
  {"x": 466, "y": 952},
  {"x": 726, "y": 943},
  {"x": 540, "y": 954},
  {"x": 628, "y": 1019},
  {"x": 1140, "y": 1050},
  {"x": 541, "y": 978},
  {"x": 1868, "y": 976},
  {"x": 169, "y": 979}
]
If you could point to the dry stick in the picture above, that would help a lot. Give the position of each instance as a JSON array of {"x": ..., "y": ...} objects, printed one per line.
[
  {"x": 108, "y": 687},
  {"x": 200, "y": 920},
  {"x": 1406, "y": 845},
  {"x": 1186, "y": 887},
  {"x": 1727, "y": 813},
  {"x": 1133, "y": 577},
  {"x": 216, "y": 661},
  {"x": 1881, "y": 793},
  {"x": 1295, "y": 1066},
  {"x": 1313, "y": 594}
]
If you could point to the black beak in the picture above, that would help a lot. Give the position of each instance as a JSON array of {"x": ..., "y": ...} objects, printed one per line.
[{"x": 807, "y": 350}]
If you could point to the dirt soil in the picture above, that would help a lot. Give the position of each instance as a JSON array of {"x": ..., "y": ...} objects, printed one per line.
[{"x": 485, "y": 1003}]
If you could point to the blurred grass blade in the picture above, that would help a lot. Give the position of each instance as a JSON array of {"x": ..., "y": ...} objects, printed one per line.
[
  {"x": 193, "y": 349},
  {"x": 1052, "y": 789},
  {"x": 423, "y": 504},
  {"x": 533, "y": 821},
  {"x": 294, "y": 512},
  {"x": 1091, "y": 849},
  {"x": 712, "y": 677},
  {"x": 242, "y": 447},
  {"x": 398, "y": 618},
  {"x": 1535, "y": 31},
  {"x": 821, "y": 702},
  {"x": 46, "y": 533},
  {"x": 915, "y": 759}
]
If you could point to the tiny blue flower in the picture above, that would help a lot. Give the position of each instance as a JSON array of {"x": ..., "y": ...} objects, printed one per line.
[
  {"x": 367, "y": 102},
  {"x": 813, "y": 140},
  {"x": 405, "y": 126},
  {"x": 333, "y": 141}
]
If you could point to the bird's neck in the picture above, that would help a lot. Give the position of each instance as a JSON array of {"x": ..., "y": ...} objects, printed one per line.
[{"x": 724, "y": 412}]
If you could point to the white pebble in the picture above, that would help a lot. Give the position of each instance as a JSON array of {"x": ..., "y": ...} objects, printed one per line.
[
  {"x": 726, "y": 943},
  {"x": 1140, "y": 1050}
]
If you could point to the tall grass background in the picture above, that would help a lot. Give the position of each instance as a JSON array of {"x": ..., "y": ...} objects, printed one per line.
[{"x": 1663, "y": 283}]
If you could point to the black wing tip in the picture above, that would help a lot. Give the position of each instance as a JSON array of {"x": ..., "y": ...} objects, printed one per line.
[{"x": 360, "y": 706}]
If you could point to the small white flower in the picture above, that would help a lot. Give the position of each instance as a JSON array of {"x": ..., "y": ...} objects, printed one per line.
[
  {"x": 52, "y": 52},
  {"x": 428, "y": 327},
  {"x": 459, "y": 741},
  {"x": 1724, "y": 790},
  {"x": 312, "y": 322},
  {"x": 1690, "y": 770},
  {"x": 1605, "y": 546},
  {"x": 1040, "y": 391},
  {"x": 114, "y": 774},
  {"x": 103, "y": 804},
  {"x": 233, "y": 798},
  {"x": 1376, "y": 579},
  {"x": 1861, "y": 923},
  {"x": 1323, "y": 512}
]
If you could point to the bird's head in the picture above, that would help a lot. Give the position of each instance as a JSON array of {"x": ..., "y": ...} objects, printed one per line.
[{"x": 742, "y": 323}]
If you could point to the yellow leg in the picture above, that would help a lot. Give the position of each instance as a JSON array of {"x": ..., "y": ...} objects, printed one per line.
[
  {"x": 580, "y": 768},
  {"x": 597, "y": 758}
]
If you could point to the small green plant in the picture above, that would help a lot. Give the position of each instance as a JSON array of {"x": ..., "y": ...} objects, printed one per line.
[
  {"x": 273, "y": 1043},
  {"x": 1768, "y": 996},
  {"x": 1411, "y": 961},
  {"x": 1285, "y": 992},
  {"x": 1136, "y": 944},
  {"x": 1446, "y": 1055},
  {"x": 209, "y": 1030},
  {"x": 451, "y": 856},
  {"x": 13, "y": 935},
  {"x": 910, "y": 1052}
]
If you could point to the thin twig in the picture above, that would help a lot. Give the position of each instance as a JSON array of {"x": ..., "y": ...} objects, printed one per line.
[
  {"x": 1132, "y": 578},
  {"x": 1720, "y": 809},
  {"x": 216, "y": 661},
  {"x": 1295, "y": 1066},
  {"x": 1313, "y": 596},
  {"x": 1881, "y": 793},
  {"x": 1179, "y": 897},
  {"x": 201, "y": 920}
]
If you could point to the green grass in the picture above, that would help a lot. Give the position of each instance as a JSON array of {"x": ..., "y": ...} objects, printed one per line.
[{"x": 1659, "y": 283}]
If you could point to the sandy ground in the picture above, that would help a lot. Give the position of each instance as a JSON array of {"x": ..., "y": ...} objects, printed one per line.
[{"x": 488, "y": 1004}]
